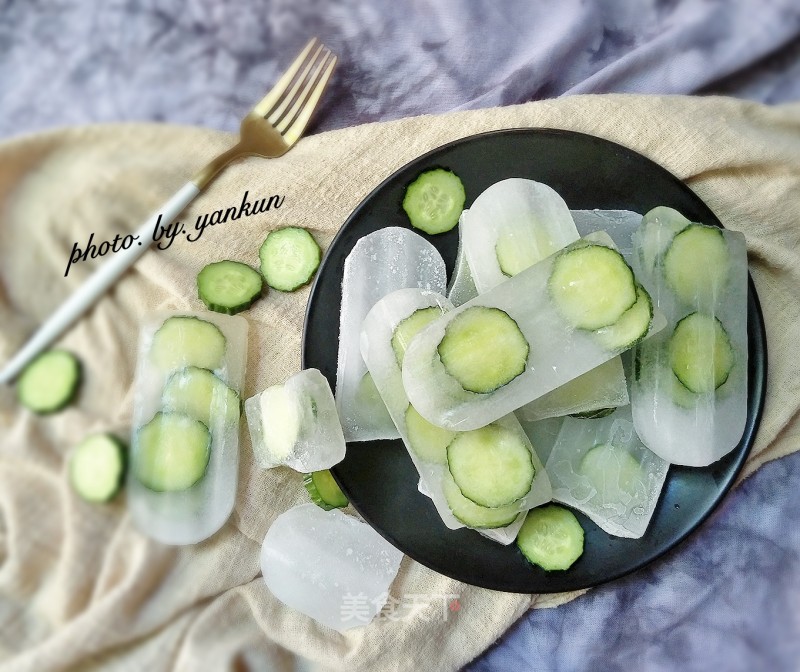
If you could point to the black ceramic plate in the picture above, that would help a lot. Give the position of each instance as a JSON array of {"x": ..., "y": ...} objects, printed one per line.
[{"x": 379, "y": 477}]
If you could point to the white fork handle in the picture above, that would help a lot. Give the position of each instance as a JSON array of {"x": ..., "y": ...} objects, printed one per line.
[{"x": 97, "y": 283}]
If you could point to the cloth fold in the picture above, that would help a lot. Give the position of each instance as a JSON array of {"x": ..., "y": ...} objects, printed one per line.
[{"x": 80, "y": 587}]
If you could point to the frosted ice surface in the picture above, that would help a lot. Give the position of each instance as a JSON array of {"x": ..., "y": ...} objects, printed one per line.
[
  {"x": 518, "y": 220},
  {"x": 379, "y": 263},
  {"x": 619, "y": 224},
  {"x": 191, "y": 515},
  {"x": 462, "y": 285},
  {"x": 558, "y": 353},
  {"x": 328, "y": 566},
  {"x": 376, "y": 347},
  {"x": 317, "y": 443},
  {"x": 617, "y": 485},
  {"x": 682, "y": 427}
]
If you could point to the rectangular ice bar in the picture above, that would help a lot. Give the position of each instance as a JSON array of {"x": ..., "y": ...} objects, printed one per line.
[
  {"x": 381, "y": 358},
  {"x": 295, "y": 424},
  {"x": 700, "y": 284},
  {"x": 190, "y": 370},
  {"x": 379, "y": 263},
  {"x": 602, "y": 468},
  {"x": 557, "y": 354}
]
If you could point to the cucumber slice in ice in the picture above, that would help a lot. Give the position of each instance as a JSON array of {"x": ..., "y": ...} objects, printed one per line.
[
  {"x": 201, "y": 395},
  {"x": 410, "y": 327},
  {"x": 171, "y": 452},
  {"x": 515, "y": 255},
  {"x": 593, "y": 415},
  {"x": 434, "y": 201},
  {"x": 592, "y": 286},
  {"x": 428, "y": 441},
  {"x": 631, "y": 327},
  {"x": 97, "y": 467},
  {"x": 492, "y": 466},
  {"x": 229, "y": 286},
  {"x": 49, "y": 382},
  {"x": 551, "y": 537},
  {"x": 472, "y": 515},
  {"x": 700, "y": 353},
  {"x": 611, "y": 470},
  {"x": 483, "y": 349},
  {"x": 282, "y": 419},
  {"x": 324, "y": 490},
  {"x": 187, "y": 341},
  {"x": 289, "y": 258},
  {"x": 697, "y": 264}
]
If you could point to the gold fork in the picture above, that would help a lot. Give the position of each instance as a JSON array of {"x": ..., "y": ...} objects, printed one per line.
[{"x": 269, "y": 130}]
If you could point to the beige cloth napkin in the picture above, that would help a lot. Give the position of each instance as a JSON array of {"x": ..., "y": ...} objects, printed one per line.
[{"x": 80, "y": 587}]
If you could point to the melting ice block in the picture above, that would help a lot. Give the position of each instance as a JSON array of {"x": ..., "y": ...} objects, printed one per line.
[
  {"x": 602, "y": 468},
  {"x": 556, "y": 353},
  {"x": 689, "y": 393},
  {"x": 619, "y": 224},
  {"x": 185, "y": 439},
  {"x": 383, "y": 345},
  {"x": 379, "y": 263},
  {"x": 462, "y": 285},
  {"x": 295, "y": 424},
  {"x": 328, "y": 565}
]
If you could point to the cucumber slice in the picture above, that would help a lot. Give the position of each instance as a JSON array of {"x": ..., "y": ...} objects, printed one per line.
[
  {"x": 700, "y": 353},
  {"x": 49, "y": 382},
  {"x": 410, "y": 327},
  {"x": 428, "y": 441},
  {"x": 551, "y": 537},
  {"x": 697, "y": 264},
  {"x": 200, "y": 394},
  {"x": 229, "y": 286},
  {"x": 472, "y": 515},
  {"x": 593, "y": 415},
  {"x": 515, "y": 255},
  {"x": 611, "y": 471},
  {"x": 592, "y": 286},
  {"x": 483, "y": 349},
  {"x": 282, "y": 418},
  {"x": 187, "y": 341},
  {"x": 289, "y": 258},
  {"x": 434, "y": 201},
  {"x": 631, "y": 327},
  {"x": 171, "y": 452},
  {"x": 324, "y": 490},
  {"x": 97, "y": 467},
  {"x": 492, "y": 466}
]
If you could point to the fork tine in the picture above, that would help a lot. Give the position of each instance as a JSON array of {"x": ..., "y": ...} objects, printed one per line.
[
  {"x": 263, "y": 107},
  {"x": 295, "y": 130},
  {"x": 276, "y": 114}
]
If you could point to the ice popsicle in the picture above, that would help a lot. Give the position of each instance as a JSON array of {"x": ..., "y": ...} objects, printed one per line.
[
  {"x": 549, "y": 324},
  {"x": 379, "y": 263},
  {"x": 689, "y": 393},
  {"x": 185, "y": 439}
]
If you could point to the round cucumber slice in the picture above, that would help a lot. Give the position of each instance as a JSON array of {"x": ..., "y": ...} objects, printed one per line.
[
  {"x": 229, "y": 286},
  {"x": 428, "y": 441},
  {"x": 289, "y": 258},
  {"x": 472, "y": 515},
  {"x": 632, "y": 327},
  {"x": 282, "y": 419},
  {"x": 97, "y": 467},
  {"x": 410, "y": 327},
  {"x": 201, "y": 395},
  {"x": 171, "y": 452},
  {"x": 483, "y": 349},
  {"x": 434, "y": 201},
  {"x": 492, "y": 466},
  {"x": 700, "y": 353},
  {"x": 49, "y": 382},
  {"x": 697, "y": 264},
  {"x": 551, "y": 537},
  {"x": 324, "y": 490},
  {"x": 611, "y": 471},
  {"x": 591, "y": 286},
  {"x": 184, "y": 341}
]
